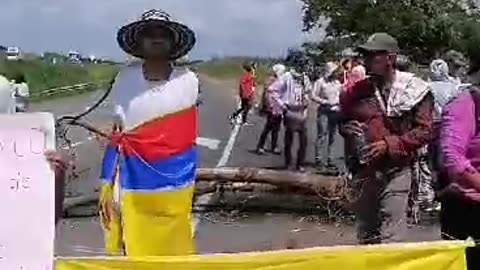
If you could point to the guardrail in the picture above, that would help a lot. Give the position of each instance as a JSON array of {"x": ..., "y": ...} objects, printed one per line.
[{"x": 66, "y": 89}]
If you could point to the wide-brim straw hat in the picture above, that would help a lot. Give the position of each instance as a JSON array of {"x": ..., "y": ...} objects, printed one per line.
[{"x": 129, "y": 36}]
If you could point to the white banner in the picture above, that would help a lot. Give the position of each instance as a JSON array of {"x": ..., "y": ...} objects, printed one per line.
[{"x": 27, "y": 186}]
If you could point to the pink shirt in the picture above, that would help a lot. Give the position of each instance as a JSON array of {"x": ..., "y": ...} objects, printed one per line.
[
  {"x": 358, "y": 74},
  {"x": 460, "y": 146}
]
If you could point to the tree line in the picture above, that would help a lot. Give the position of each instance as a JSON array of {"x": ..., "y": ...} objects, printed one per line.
[{"x": 425, "y": 29}]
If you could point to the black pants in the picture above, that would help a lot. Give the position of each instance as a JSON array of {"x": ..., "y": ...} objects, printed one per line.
[
  {"x": 460, "y": 219},
  {"x": 291, "y": 128},
  {"x": 272, "y": 126},
  {"x": 245, "y": 107}
]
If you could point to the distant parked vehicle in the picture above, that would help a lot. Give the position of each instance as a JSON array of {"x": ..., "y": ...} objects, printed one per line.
[
  {"x": 13, "y": 54},
  {"x": 74, "y": 57}
]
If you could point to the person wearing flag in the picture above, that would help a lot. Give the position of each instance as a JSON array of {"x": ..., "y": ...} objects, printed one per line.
[{"x": 148, "y": 169}]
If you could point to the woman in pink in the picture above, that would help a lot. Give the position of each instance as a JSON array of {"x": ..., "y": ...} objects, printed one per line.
[
  {"x": 460, "y": 153},
  {"x": 357, "y": 74},
  {"x": 273, "y": 112}
]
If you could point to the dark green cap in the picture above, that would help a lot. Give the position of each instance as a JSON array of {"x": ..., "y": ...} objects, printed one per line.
[{"x": 380, "y": 42}]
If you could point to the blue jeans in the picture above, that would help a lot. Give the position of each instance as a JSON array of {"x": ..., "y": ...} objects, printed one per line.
[{"x": 327, "y": 122}]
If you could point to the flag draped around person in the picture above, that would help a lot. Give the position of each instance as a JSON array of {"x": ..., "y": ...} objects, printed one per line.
[{"x": 149, "y": 165}]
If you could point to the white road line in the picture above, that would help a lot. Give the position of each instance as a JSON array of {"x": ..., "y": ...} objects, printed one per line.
[
  {"x": 227, "y": 151},
  {"x": 211, "y": 144},
  {"x": 88, "y": 250},
  {"x": 76, "y": 144}
]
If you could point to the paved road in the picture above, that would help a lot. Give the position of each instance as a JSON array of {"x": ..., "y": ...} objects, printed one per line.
[
  {"x": 83, "y": 236},
  {"x": 230, "y": 230}
]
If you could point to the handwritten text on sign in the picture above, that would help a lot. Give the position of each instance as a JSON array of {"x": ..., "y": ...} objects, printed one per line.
[{"x": 26, "y": 201}]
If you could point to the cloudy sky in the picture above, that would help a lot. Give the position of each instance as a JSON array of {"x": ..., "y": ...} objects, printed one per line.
[{"x": 223, "y": 27}]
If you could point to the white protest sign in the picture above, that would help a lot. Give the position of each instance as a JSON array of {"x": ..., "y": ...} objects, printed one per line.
[{"x": 27, "y": 184}]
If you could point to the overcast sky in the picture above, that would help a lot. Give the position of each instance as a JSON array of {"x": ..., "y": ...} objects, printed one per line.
[{"x": 223, "y": 27}]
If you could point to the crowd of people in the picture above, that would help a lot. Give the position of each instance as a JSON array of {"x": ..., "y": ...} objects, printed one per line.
[
  {"x": 406, "y": 139},
  {"x": 411, "y": 144}
]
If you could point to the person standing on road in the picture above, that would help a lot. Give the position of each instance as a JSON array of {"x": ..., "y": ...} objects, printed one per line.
[
  {"x": 457, "y": 65},
  {"x": 459, "y": 145},
  {"x": 326, "y": 93},
  {"x": 22, "y": 93},
  {"x": 444, "y": 88},
  {"x": 390, "y": 112},
  {"x": 7, "y": 98},
  {"x": 246, "y": 93},
  {"x": 346, "y": 65},
  {"x": 357, "y": 73},
  {"x": 149, "y": 165},
  {"x": 293, "y": 98},
  {"x": 273, "y": 112}
]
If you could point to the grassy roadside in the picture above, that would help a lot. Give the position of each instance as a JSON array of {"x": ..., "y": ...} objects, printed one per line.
[
  {"x": 42, "y": 76},
  {"x": 231, "y": 68}
]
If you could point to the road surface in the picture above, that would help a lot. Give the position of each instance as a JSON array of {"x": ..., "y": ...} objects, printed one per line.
[{"x": 227, "y": 230}]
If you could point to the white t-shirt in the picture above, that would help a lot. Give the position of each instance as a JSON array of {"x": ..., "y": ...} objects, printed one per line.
[
  {"x": 137, "y": 100},
  {"x": 327, "y": 93},
  {"x": 22, "y": 89},
  {"x": 7, "y": 98}
]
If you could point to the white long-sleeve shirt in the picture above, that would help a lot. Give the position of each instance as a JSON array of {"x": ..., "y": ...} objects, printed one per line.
[
  {"x": 7, "y": 98},
  {"x": 327, "y": 93}
]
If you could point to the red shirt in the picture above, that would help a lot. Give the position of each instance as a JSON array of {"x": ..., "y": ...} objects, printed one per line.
[
  {"x": 246, "y": 85},
  {"x": 403, "y": 135}
]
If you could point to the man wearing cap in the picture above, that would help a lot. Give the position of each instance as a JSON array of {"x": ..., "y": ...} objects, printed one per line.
[
  {"x": 149, "y": 165},
  {"x": 326, "y": 93},
  {"x": 392, "y": 111}
]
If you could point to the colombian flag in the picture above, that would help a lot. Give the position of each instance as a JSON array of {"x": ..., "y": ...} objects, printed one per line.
[{"x": 154, "y": 165}]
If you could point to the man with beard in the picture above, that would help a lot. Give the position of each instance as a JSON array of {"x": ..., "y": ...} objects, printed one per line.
[{"x": 391, "y": 112}]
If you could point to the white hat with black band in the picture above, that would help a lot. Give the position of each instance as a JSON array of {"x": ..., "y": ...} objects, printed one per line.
[{"x": 129, "y": 36}]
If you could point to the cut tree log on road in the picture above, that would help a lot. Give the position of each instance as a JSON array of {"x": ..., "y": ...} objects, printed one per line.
[
  {"x": 204, "y": 187},
  {"x": 329, "y": 187}
]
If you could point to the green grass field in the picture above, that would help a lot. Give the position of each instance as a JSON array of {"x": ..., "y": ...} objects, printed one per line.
[
  {"x": 231, "y": 68},
  {"x": 41, "y": 75}
]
